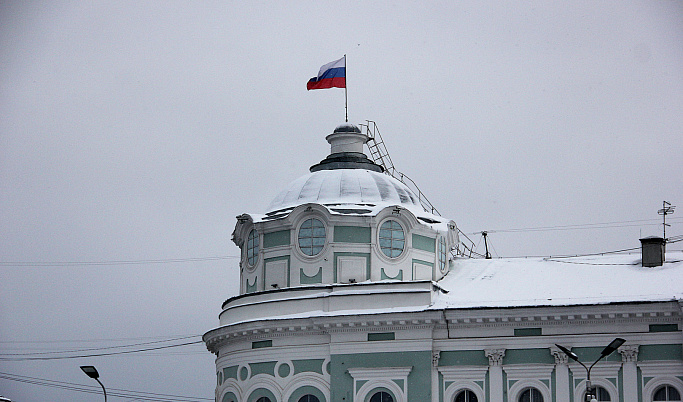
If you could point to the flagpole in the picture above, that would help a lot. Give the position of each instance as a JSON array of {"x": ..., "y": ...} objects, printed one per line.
[{"x": 346, "y": 96}]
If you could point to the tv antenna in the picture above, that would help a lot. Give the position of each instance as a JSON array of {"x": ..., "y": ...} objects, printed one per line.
[
  {"x": 667, "y": 209},
  {"x": 488, "y": 255}
]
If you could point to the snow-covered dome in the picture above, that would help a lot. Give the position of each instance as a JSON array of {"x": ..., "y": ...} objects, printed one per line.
[{"x": 345, "y": 186}]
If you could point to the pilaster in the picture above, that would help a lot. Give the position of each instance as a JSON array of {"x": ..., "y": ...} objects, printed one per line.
[
  {"x": 495, "y": 357},
  {"x": 561, "y": 374},
  {"x": 629, "y": 357}
]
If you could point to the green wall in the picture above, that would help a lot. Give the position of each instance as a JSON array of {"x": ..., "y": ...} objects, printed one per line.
[
  {"x": 351, "y": 234},
  {"x": 273, "y": 239},
  {"x": 419, "y": 378},
  {"x": 424, "y": 243}
]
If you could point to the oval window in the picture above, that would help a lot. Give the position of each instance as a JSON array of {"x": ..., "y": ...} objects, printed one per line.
[
  {"x": 312, "y": 237},
  {"x": 392, "y": 239}
]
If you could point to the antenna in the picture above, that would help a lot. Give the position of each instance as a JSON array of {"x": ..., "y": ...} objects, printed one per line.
[
  {"x": 488, "y": 255},
  {"x": 667, "y": 209}
]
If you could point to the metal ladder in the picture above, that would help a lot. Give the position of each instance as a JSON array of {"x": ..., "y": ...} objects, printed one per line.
[{"x": 380, "y": 155}]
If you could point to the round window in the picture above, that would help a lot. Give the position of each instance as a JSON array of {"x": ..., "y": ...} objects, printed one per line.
[
  {"x": 443, "y": 254},
  {"x": 311, "y": 237},
  {"x": 252, "y": 248},
  {"x": 392, "y": 240}
]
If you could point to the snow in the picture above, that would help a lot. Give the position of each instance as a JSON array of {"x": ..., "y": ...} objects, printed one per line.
[
  {"x": 345, "y": 186},
  {"x": 342, "y": 191},
  {"x": 519, "y": 282}
]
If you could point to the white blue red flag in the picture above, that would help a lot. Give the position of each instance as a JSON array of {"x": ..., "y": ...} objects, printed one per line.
[{"x": 331, "y": 75}]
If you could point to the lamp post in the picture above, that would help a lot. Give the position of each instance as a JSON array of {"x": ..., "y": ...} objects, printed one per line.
[
  {"x": 590, "y": 392},
  {"x": 91, "y": 372}
]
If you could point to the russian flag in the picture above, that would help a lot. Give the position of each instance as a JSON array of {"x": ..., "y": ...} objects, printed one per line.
[{"x": 331, "y": 75}]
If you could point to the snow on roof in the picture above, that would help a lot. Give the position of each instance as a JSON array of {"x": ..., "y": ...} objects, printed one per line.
[
  {"x": 345, "y": 186},
  {"x": 358, "y": 192},
  {"x": 519, "y": 282}
]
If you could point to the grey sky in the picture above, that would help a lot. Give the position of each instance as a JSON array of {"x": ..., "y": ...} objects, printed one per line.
[{"x": 138, "y": 131}]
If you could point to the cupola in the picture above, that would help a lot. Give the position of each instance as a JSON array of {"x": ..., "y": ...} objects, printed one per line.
[{"x": 346, "y": 152}]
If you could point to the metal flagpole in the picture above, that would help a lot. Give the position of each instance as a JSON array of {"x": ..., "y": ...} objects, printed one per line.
[{"x": 346, "y": 96}]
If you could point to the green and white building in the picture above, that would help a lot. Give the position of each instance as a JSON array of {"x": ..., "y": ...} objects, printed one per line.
[{"x": 349, "y": 292}]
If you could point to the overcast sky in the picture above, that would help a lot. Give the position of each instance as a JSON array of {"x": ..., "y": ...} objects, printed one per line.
[{"x": 137, "y": 131}]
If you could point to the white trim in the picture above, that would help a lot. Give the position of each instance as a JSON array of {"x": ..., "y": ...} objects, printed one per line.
[
  {"x": 652, "y": 385},
  {"x": 266, "y": 382},
  {"x": 521, "y": 385},
  {"x": 612, "y": 390},
  {"x": 463, "y": 377},
  {"x": 461, "y": 385},
  {"x": 303, "y": 380},
  {"x": 381, "y": 377}
]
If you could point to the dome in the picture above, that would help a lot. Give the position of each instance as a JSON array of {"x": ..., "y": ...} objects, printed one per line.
[
  {"x": 347, "y": 128},
  {"x": 345, "y": 186}
]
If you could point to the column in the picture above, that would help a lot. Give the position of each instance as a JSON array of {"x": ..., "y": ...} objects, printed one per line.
[
  {"x": 561, "y": 375},
  {"x": 629, "y": 357},
  {"x": 495, "y": 373}
]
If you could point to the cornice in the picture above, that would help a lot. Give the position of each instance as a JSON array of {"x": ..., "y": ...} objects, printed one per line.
[
  {"x": 434, "y": 320},
  {"x": 564, "y": 315}
]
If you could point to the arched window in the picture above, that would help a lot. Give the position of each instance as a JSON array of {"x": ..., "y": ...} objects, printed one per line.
[
  {"x": 309, "y": 398},
  {"x": 382, "y": 397},
  {"x": 531, "y": 395},
  {"x": 311, "y": 236},
  {"x": 392, "y": 240},
  {"x": 252, "y": 248},
  {"x": 263, "y": 399},
  {"x": 601, "y": 394},
  {"x": 465, "y": 396},
  {"x": 666, "y": 393}
]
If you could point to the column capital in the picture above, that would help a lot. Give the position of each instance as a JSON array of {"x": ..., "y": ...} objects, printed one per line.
[
  {"x": 629, "y": 353},
  {"x": 495, "y": 356},
  {"x": 435, "y": 358},
  {"x": 560, "y": 356}
]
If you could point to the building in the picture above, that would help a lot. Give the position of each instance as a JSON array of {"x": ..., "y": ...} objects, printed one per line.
[{"x": 349, "y": 292}]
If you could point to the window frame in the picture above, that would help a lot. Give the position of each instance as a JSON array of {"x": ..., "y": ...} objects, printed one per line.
[
  {"x": 666, "y": 387},
  {"x": 441, "y": 241},
  {"x": 404, "y": 230},
  {"x": 530, "y": 389},
  {"x": 298, "y": 236},
  {"x": 255, "y": 246},
  {"x": 465, "y": 391}
]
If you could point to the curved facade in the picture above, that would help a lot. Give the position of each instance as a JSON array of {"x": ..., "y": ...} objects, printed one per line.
[{"x": 349, "y": 292}]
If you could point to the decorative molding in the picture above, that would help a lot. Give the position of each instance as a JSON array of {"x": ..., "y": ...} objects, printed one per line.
[
  {"x": 495, "y": 356},
  {"x": 435, "y": 358},
  {"x": 629, "y": 353},
  {"x": 560, "y": 356}
]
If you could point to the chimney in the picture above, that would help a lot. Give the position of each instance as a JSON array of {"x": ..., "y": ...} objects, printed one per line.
[{"x": 653, "y": 249}]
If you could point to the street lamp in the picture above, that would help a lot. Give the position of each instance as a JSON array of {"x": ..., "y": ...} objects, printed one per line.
[
  {"x": 91, "y": 371},
  {"x": 590, "y": 392}
]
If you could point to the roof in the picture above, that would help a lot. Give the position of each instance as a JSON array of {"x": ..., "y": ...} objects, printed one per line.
[
  {"x": 345, "y": 186},
  {"x": 520, "y": 282}
]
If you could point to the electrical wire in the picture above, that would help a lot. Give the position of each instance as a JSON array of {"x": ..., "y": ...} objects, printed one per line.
[
  {"x": 602, "y": 225},
  {"x": 102, "y": 348},
  {"x": 114, "y": 262},
  {"x": 97, "y": 354},
  {"x": 115, "y": 392}
]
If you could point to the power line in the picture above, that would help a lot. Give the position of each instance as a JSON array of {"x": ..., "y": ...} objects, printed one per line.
[
  {"x": 96, "y": 354},
  {"x": 584, "y": 226},
  {"x": 92, "y": 349},
  {"x": 114, "y": 262},
  {"x": 116, "y": 392}
]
